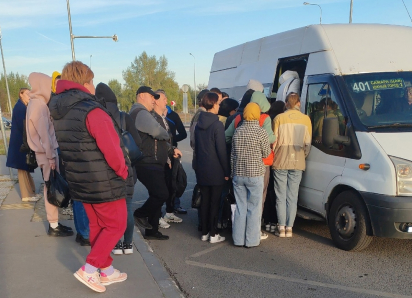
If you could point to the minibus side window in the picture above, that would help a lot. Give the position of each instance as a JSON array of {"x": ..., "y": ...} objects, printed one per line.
[{"x": 322, "y": 102}]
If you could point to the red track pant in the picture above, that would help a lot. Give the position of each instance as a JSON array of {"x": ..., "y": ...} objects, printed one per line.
[{"x": 107, "y": 222}]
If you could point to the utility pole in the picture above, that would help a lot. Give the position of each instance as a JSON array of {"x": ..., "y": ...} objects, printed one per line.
[{"x": 350, "y": 13}]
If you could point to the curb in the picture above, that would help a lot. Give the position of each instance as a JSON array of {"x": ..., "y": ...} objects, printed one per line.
[{"x": 166, "y": 284}]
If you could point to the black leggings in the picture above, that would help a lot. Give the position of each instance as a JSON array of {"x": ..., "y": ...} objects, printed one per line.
[{"x": 209, "y": 208}]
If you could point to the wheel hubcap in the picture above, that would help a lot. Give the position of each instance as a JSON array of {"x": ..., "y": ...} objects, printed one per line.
[{"x": 345, "y": 221}]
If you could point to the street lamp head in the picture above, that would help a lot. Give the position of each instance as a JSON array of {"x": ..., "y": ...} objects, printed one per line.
[
  {"x": 306, "y": 3},
  {"x": 114, "y": 38}
]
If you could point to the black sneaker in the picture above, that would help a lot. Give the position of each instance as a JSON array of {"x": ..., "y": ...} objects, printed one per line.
[
  {"x": 82, "y": 241},
  {"x": 118, "y": 249},
  {"x": 156, "y": 236},
  {"x": 180, "y": 210},
  {"x": 127, "y": 248},
  {"x": 65, "y": 228},
  {"x": 59, "y": 232},
  {"x": 142, "y": 222}
]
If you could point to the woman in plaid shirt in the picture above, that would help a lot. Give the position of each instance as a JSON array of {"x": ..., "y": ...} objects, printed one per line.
[{"x": 250, "y": 144}]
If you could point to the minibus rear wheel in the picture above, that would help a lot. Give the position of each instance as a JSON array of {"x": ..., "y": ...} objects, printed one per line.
[{"x": 348, "y": 222}]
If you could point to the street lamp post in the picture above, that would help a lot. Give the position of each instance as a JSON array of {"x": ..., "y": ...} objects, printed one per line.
[
  {"x": 72, "y": 37},
  {"x": 194, "y": 76},
  {"x": 350, "y": 12},
  {"x": 307, "y": 3},
  {"x": 3, "y": 132}
]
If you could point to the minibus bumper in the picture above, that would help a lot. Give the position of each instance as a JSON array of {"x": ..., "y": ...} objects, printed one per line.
[{"x": 390, "y": 216}]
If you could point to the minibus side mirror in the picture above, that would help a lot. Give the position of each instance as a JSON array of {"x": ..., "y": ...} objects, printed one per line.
[{"x": 330, "y": 133}]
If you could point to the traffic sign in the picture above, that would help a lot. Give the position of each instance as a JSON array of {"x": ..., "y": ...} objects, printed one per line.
[{"x": 173, "y": 103}]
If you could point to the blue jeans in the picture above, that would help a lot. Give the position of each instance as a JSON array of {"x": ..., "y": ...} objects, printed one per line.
[
  {"x": 248, "y": 193},
  {"x": 81, "y": 221},
  {"x": 128, "y": 234},
  {"x": 286, "y": 189},
  {"x": 177, "y": 203}
]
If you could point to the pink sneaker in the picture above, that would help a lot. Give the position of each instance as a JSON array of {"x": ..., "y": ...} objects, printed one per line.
[
  {"x": 117, "y": 276},
  {"x": 90, "y": 280}
]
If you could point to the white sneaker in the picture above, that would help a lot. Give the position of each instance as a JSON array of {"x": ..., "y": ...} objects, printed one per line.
[
  {"x": 163, "y": 224},
  {"x": 30, "y": 199},
  {"x": 216, "y": 239},
  {"x": 288, "y": 232},
  {"x": 171, "y": 217},
  {"x": 280, "y": 231},
  {"x": 263, "y": 236},
  {"x": 205, "y": 237},
  {"x": 118, "y": 249},
  {"x": 267, "y": 227}
]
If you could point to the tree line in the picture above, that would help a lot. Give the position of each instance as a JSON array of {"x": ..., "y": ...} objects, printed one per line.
[
  {"x": 15, "y": 82},
  {"x": 145, "y": 70},
  {"x": 150, "y": 71}
]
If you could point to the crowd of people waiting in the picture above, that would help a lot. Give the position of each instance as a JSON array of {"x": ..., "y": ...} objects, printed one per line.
[{"x": 239, "y": 149}]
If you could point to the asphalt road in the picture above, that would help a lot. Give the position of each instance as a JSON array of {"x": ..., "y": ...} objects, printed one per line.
[{"x": 306, "y": 265}]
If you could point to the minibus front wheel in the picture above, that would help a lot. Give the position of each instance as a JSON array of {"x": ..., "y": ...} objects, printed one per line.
[{"x": 348, "y": 220}]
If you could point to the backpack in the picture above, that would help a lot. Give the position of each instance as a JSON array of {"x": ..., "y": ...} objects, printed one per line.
[
  {"x": 267, "y": 161},
  {"x": 179, "y": 178}
]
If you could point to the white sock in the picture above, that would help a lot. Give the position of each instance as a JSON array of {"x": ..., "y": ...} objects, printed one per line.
[{"x": 54, "y": 225}]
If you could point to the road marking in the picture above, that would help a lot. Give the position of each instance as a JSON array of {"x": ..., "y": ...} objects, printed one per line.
[
  {"x": 203, "y": 252},
  {"x": 295, "y": 280}
]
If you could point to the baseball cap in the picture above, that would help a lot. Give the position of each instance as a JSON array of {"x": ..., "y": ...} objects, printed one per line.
[{"x": 145, "y": 89}]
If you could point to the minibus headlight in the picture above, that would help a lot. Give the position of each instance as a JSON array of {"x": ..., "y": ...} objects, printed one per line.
[{"x": 403, "y": 169}]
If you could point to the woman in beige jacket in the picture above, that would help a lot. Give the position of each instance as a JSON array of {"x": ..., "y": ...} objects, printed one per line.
[{"x": 42, "y": 140}]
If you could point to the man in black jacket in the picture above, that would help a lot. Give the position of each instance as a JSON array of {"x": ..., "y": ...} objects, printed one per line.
[{"x": 150, "y": 171}]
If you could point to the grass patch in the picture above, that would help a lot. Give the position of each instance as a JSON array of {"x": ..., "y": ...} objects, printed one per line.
[{"x": 2, "y": 150}]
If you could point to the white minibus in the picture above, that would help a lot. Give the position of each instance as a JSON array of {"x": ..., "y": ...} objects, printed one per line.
[{"x": 357, "y": 90}]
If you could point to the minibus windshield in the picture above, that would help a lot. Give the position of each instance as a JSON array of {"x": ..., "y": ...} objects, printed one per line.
[{"x": 382, "y": 100}]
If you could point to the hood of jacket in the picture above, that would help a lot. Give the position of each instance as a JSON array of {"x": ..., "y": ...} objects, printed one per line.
[
  {"x": 206, "y": 120},
  {"x": 169, "y": 109},
  {"x": 105, "y": 94},
  {"x": 40, "y": 86},
  {"x": 68, "y": 95},
  {"x": 289, "y": 74},
  {"x": 261, "y": 100}
]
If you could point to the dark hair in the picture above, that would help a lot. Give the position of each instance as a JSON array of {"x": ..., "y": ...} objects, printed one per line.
[
  {"x": 224, "y": 94},
  {"x": 209, "y": 100},
  {"x": 200, "y": 96},
  {"x": 22, "y": 90},
  {"x": 216, "y": 90},
  {"x": 276, "y": 108},
  {"x": 228, "y": 105}
]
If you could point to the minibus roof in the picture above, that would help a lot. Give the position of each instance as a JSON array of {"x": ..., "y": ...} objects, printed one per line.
[{"x": 341, "y": 48}]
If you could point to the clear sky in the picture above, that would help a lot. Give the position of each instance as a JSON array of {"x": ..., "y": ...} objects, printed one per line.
[{"x": 36, "y": 32}]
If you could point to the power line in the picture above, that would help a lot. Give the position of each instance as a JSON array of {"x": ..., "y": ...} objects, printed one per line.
[{"x": 407, "y": 10}]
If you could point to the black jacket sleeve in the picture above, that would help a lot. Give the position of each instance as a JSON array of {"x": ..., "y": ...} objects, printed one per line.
[
  {"x": 131, "y": 128},
  {"x": 180, "y": 128},
  {"x": 221, "y": 148}
]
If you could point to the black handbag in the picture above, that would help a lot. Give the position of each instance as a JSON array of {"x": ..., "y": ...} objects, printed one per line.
[
  {"x": 132, "y": 150},
  {"x": 31, "y": 159},
  {"x": 196, "y": 197},
  {"x": 57, "y": 190}
]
